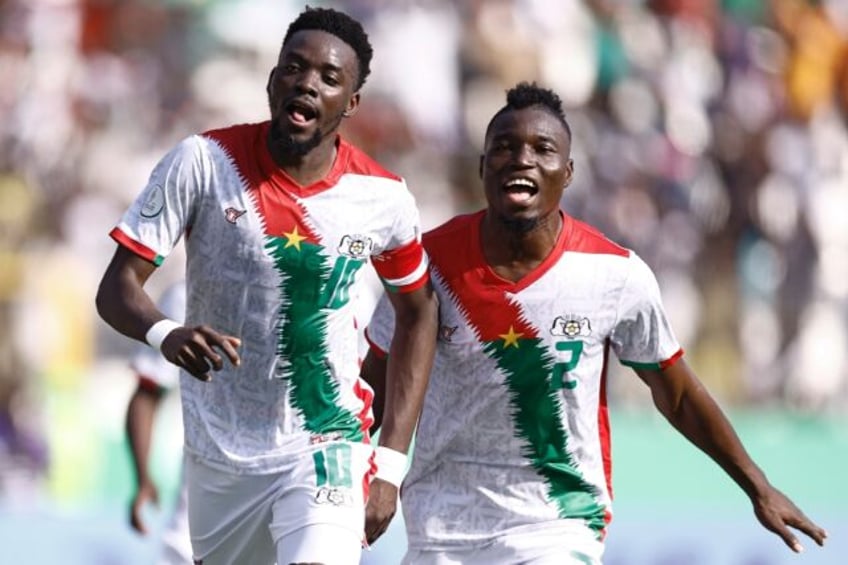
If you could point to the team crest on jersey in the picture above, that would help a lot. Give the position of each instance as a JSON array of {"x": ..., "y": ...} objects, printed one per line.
[
  {"x": 334, "y": 495},
  {"x": 446, "y": 333},
  {"x": 357, "y": 246},
  {"x": 571, "y": 327},
  {"x": 232, "y": 215}
]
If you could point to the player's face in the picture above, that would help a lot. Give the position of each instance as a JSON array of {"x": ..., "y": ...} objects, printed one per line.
[
  {"x": 311, "y": 89},
  {"x": 525, "y": 166}
]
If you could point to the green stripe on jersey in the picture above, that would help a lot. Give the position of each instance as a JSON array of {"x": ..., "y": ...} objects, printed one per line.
[
  {"x": 536, "y": 406},
  {"x": 310, "y": 291}
]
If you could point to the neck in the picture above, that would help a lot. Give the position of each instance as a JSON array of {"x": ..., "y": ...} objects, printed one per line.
[
  {"x": 306, "y": 168},
  {"x": 513, "y": 249}
]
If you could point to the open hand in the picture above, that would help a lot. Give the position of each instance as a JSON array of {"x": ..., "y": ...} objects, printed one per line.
[{"x": 777, "y": 513}]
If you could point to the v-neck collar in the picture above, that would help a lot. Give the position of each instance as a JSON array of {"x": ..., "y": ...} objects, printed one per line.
[
  {"x": 491, "y": 278},
  {"x": 279, "y": 178}
]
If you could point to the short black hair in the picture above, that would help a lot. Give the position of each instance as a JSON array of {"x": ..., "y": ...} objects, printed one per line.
[
  {"x": 342, "y": 26},
  {"x": 527, "y": 94}
]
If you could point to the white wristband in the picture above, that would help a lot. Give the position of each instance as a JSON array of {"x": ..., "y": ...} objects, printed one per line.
[
  {"x": 159, "y": 331},
  {"x": 391, "y": 465}
]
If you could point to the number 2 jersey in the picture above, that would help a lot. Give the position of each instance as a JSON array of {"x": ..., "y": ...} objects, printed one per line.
[
  {"x": 276, "y": 265},
  {"x": 514, "y": 435}
]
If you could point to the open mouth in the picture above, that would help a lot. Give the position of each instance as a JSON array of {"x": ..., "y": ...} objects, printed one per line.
[
  {"x": 520, "y": 190},
  {"x": 300, "y": 113}
]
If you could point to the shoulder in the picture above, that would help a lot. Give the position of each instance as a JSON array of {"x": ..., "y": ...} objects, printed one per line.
[
  {"x": 360, "y": 163},
  {"x": 457, "y": 229},
  {"x": 234, "y": 134},
  {"x": 583, "y": 238}
]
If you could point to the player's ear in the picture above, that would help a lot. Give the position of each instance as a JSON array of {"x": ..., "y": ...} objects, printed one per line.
[
  {"x": 352, "y": 105},
  {"x": 569, "y": 173},
  {"x": 480, "y": 167},
  {"x": 269, "y": 87}
]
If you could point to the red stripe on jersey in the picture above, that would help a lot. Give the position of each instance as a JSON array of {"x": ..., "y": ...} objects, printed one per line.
[
  {"x": 378, "y": 351},
  {"x": 401, "y": 262},
  {"x": 269, "y": 186},
  {"x": 365, "y": 418},
  {"x": 139, "y": 249},
  {"x": 248, "y": 145},
  {"x": 604, "y": 426},
  {"x": 455, "y": 253},
  {"x": 583, "y": 238},
  {"x": 671, "y": 360},
  {"x": 147, "y": 384}
]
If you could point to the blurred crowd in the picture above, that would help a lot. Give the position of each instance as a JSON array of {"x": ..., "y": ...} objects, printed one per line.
[{"x": 709, "y": 136}]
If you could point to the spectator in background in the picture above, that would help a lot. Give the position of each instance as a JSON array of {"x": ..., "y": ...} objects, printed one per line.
[
  {"x": 279, "y": 217},
  {"x": 157, "y": 377}
]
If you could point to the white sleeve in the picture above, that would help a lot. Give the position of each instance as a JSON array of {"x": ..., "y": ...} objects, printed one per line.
[
  {"x": 642, "y": 336},
  {"x": 161, "y": 214}
]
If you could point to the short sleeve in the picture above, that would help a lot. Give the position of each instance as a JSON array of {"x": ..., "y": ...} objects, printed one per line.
[
  {"x": 163, "y": 211},
  {"x": 642, "y": 336}
]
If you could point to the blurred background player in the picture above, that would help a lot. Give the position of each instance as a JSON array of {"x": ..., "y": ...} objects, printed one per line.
[{"x": 157, "y": 377}]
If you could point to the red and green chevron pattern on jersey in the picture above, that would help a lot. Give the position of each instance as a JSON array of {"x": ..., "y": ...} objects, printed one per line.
[
  {"x": 523, "y": 358},
  {"x": 311, "y": 289}
]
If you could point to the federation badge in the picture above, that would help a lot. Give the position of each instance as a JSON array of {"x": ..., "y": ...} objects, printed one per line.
[
  {"x": 571, "y": 327},
  {"x": 357, "y": 246}
]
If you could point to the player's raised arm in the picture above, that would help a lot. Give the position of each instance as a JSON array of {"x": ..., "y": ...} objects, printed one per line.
[
  {"x": 123, "y": 303},
  {"x": 689, "y": 407}
]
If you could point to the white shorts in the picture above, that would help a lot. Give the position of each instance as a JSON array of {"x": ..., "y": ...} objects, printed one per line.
[
  {"x": 312, "y": 513},
  {"x": 524, "y": 548}
]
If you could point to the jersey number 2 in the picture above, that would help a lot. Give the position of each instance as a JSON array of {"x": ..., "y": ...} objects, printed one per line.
[{"x": 560, "y": 371}]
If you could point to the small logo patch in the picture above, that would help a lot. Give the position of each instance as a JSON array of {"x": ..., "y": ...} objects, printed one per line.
[
  {"x": 334, "y": 496},
  {"x": 357, "y": 246},
  {"x": 232, "y": 215},
  {"x": 154, "y": 204},
  {"x": 446, "y": 333},
  {"x": 571, "y": 326}
]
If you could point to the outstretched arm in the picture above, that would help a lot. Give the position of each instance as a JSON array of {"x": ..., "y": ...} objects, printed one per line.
[
  {"x": 407, "y": 372},
  {"x": 688, "y": 406},
  {"x": 141, "y": 412},
  {"x": 123, "y": 303}
]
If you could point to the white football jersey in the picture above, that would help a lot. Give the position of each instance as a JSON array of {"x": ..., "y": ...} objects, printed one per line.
[
  {"x": 275, "y": 264},
  {"x": 514, "y": 434}
]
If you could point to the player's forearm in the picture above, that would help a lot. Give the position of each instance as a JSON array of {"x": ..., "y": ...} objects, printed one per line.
[
  {"x": 699, "y": 418},
  {"x": 121, "y": 299},
  {"x": 408, "y": 372}
]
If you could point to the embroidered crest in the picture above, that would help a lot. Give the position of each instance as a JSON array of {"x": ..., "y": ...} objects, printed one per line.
[
  {"x": 571, "y": 327},
  {"x": 358, "y": 246}
]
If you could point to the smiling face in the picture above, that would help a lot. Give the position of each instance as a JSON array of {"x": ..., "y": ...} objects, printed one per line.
[
  {"x": 525, "y": 166},
  {"x": 310, "y": 90}
]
